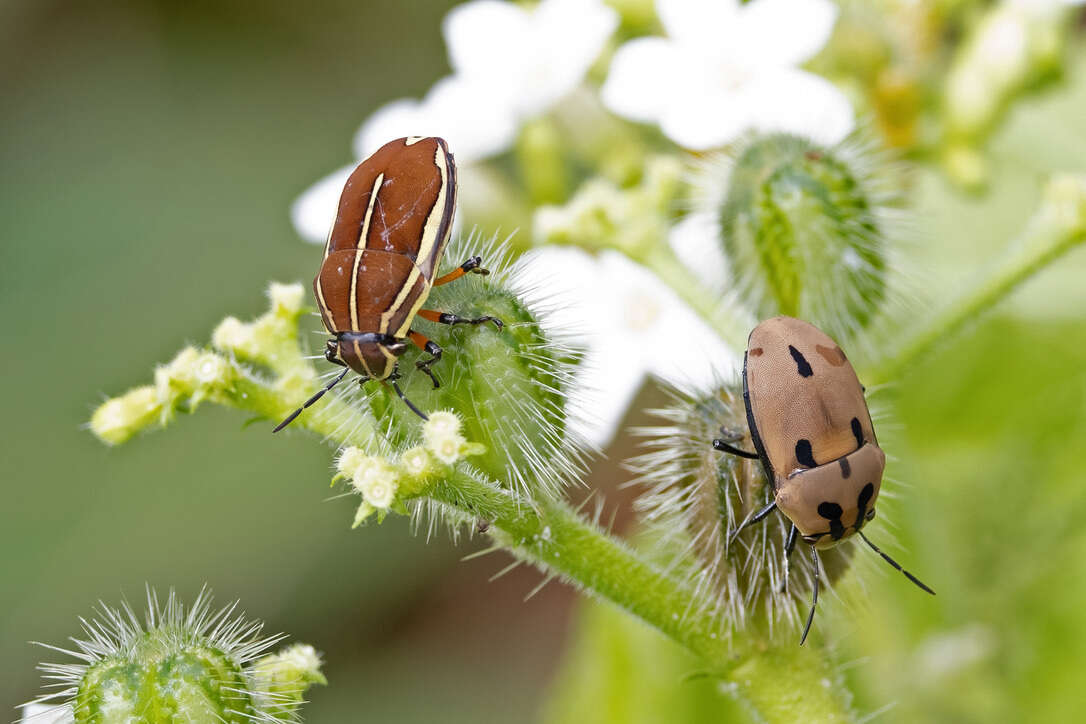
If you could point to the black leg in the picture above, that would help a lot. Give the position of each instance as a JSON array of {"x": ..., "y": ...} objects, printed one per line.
[
  {"x": 789, "y": 546},
  {"x": 722, "y": 446},
  {"x": 434, "y": 350},
  {"x": 449, "y": 318},
  {"x": 814, "y": 599},
  {"x": 760, "y": 515}
]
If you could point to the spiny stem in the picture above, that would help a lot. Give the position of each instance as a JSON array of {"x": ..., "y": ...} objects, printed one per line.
[
  {"x": 778, "y": 684},
  {"x": 1058, "y": 225}
]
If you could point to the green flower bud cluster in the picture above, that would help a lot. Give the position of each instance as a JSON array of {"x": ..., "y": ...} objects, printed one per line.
[
  {"x": 198, "y": 666},
  {"x": 805, "y": 228}
]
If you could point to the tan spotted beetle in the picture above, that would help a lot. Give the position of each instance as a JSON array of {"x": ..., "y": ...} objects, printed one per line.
[
  {"x": 810, "y": 425},
  {"x": 394, "y": 219}
]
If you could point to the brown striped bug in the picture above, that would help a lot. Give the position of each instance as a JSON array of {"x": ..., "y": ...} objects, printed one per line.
[
  {"x": 395, "y": 217},
  {"x": 812, "y": 431}
]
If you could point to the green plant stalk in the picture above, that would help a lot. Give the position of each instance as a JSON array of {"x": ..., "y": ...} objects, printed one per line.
[
  {"x": 1058, "y": 226},
  {"x": 731, "y": 323},
  {"x": 778, "y": 684}
]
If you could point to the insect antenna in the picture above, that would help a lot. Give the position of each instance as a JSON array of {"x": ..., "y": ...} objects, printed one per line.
[
  {"x": 814, "y": 599},
  {"x": 408, "y": 402},
  {"x": 311, "y": 400},
  {"x": 894, "y": 563}
]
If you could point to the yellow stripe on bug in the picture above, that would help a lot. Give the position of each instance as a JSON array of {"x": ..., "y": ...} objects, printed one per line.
[
  {"x": 360, "y": 247},
  {"x": 428, "y": 246},
  {"x": 412, "y": 140}
]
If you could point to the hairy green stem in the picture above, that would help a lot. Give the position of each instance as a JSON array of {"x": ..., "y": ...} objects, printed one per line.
[
  {"x": 1056, "y": 227},
  {"x": 779, "y": 684}
]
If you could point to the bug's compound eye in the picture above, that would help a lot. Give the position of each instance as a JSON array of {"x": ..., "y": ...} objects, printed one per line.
[
  {"x": 870, "y": 514},
  {"x": 397, "y": 348}
]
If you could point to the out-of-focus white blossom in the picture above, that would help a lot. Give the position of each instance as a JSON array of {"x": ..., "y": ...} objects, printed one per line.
[
  {"x": 726, "y": 68},
  {"x": 47, "y": 714},
  {"x": 631, "y": 325},
  {"x": 510, "y": 64}
]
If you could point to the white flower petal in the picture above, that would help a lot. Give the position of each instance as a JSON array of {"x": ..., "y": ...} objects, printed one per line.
[
  {"x": 461, "y": 112},
  {"x": 705, "y": 120},
  {"x": 696, "y": 242},
  {"x": 642, "y": 79},
  {"x": 782, "y": 33},
  {"x": 697, "y": 22},
  {"x": 313, "y": 212},
  {"x": 795, "y": 101},
  {"x": 568, "y": 36},
  {"x": 483, "y": 35}
]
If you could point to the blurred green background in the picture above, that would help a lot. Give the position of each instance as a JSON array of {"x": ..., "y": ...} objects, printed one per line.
[{"x": 149, "y": 154}]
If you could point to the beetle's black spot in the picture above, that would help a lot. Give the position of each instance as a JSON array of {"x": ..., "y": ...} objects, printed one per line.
[
  {"x": 803, "y": 366},
  {"x": 865, "y": 495},
  {"x": 858, "y": 432},
  {"x": 846, "y": 469},
  {"x": 832, "y": 512},
  {"x": 829, "y": 511},
  {"x": 862, "y": 500},
  {"x": 804, "y": 454}
]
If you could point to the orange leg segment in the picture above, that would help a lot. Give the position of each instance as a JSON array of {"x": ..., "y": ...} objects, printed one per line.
[{"x": 473, "y": 265}]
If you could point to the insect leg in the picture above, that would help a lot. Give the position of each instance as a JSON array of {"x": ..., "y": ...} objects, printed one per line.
[
  {"x": 894, "y": 563},
  {"x": 725, "y": 447},
  {"x": 760, "y": 515},
  {"x": 311, "y": 400},
  {"x": 473, "y": 265},
  {"x": 789, "y": 546},
  {"x": 448, "y": 318},
  {"x": 814, "y": 599},
  {"x": 429, "y": 347}
]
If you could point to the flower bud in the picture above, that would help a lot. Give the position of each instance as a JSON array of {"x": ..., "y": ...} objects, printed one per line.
[
  {"x": 508, "y": 387},
  {"x": 695, "y": 497},
  {"x": 197, "y": 666},
  {"x": 804, "y": 228}
]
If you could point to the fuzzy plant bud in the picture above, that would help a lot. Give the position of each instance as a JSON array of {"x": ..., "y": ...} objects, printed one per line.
[
  {"x": 695, "y": 497},
  {"x": 281, "y": 679},
  {"x": 603, "y": 216},
  {"x": 805, "y": 228},
  {"x": 196, "y": 665},
  {"x": 507, "y": 386}
]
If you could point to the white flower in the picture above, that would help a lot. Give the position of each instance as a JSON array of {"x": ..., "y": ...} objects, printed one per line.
[
  {"x": 509, "y": 64},
  {"x": 726, "y": 68},
  {"x": 632, "y": 325},
  {"x": 377, "y": 482}
]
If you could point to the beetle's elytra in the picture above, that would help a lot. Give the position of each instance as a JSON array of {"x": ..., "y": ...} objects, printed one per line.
[
  {"x": 812, "y": 431},
  {"x": 394, "y": 220}
]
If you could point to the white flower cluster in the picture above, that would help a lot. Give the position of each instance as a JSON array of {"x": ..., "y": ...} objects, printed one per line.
[{"x": 382, "y": 482}]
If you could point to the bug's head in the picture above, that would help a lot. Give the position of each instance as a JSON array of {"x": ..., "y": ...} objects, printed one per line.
[
  {"x": 373, "y": 356},
  {"x": 833, "y": 501}
]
